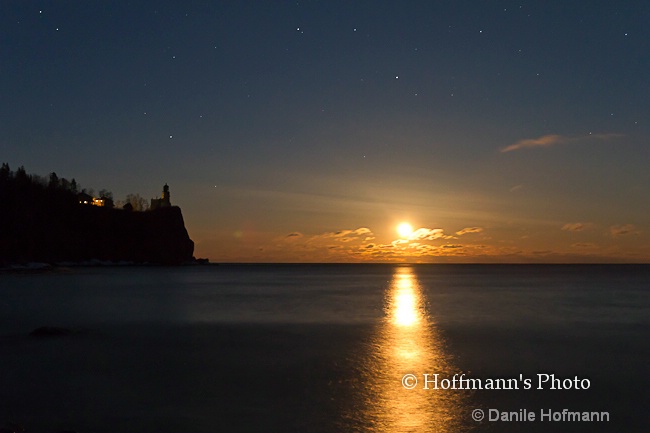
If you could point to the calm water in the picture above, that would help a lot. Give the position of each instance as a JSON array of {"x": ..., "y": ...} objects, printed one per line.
[{"x": 321, "y": 348}]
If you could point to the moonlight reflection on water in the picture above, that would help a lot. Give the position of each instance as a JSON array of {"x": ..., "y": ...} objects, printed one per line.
[{"x": 407, "y": 342}]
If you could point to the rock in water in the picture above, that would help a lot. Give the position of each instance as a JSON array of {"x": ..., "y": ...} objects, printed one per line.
[{"x": 50, "y": 331}]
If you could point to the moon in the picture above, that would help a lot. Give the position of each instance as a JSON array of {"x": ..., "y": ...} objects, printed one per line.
[{"x": 404, "y": 230}]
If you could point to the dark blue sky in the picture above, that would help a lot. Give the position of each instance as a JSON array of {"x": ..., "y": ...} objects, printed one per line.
[{"x": 314, "y": 118}]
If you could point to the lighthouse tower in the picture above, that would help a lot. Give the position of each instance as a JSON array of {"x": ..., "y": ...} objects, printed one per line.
[
  {"x": 157, "y": 203},
  {"x": 165, "y": 202}
]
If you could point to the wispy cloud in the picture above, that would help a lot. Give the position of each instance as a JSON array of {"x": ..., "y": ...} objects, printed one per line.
[
  {"x": 576, "y": 227},
  {"x": 467, "y": 230},
  {"x": 622, "y": 230},
  {"x": 433, "y": 245},
  {"x": 544, "y": 141},
  {"x": 344, "y": 235},
  {"x": 584, "y": 245},
  {"x": 359, "y": 244},
  {"x": 332, "y": 238},
  {"x": 428, "y": 234},
  {"x": 554, "y": 139},
  {"x": 341, "y": 245}
]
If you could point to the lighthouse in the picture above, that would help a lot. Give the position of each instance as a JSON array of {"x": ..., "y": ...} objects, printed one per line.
[{"x": 165, "y": 201}]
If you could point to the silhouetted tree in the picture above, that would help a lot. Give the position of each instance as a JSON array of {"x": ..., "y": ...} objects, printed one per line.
[
  {"x": 138, "y": 203},
  {"x": 73, "y": 186},
  {"x": 107, "y": 196},
  {"x": 5, "y": 172},
  {"x": 65, "y": 185},
  {"x": 21, "y": 174},
  {"x": 38, "y": 180},
  {"x": 23, "y": 181},
  {"x": 54, "y": 181}
]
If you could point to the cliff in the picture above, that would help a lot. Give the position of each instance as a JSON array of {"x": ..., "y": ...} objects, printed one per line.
[
  {"x": 90, "y": 232},
  {"x": 38, "y": 224},
  {"x": 157, "y": 236}
]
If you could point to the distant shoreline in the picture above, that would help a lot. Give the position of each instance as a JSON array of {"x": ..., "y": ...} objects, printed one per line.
[{"x": 42, "y": 267}]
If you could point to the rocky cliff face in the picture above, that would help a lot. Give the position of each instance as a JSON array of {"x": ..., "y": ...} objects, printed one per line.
[
  {"x": 45, "y": 222},
  {"x": 75, "y": 232},
  {"x": 157, "y": 236}
]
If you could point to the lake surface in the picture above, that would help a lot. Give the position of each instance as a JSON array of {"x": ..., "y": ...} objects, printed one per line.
[{"x": 325, "y": 348}]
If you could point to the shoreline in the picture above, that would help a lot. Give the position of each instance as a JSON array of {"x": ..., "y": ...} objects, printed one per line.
[{"x": 44, "y": 267}]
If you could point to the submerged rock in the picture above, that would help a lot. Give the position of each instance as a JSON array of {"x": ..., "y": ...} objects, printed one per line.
[
  {"x": 12, "y": 428},
  {"x": 50, "y": 331}
]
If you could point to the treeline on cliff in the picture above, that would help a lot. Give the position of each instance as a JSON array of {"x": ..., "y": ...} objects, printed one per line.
[{"x": 41, "y": 220}]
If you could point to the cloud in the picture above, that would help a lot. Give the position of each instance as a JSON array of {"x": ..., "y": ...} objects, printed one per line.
[
  {"x": 359, "y": 234},
  {"x": 554, "y": 139},
  {"x": 344, "y": 234},
  {"x": 428, "y": 234},
  {"x": 467, "y": 230},
  {"x": 426, "y": 245},
  {"x": 576, "y": 227},
  {"x": 433, "y": 245},
  {"x": 622, "y": 230},
  {"x": 335, "y": 246},
  {"x": 584, "y": 245},
  {"x": 516, "y": 188},
  {"x": 327, "y": 239},
  {"x": 546, "y": 140}
]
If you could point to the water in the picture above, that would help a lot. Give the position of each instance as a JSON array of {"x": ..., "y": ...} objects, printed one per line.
[{"x": 321, "y": 348}]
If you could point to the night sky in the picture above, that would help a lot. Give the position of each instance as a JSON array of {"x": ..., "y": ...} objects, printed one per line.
[{"x": 306, "y": 131}]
